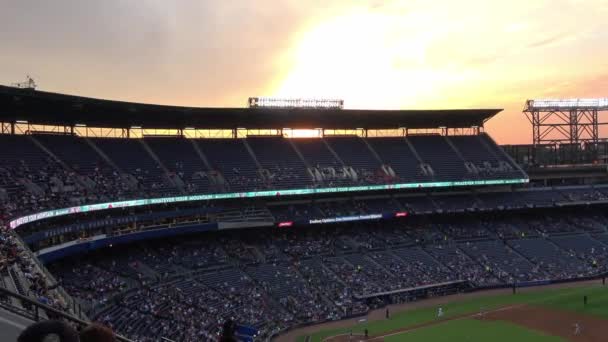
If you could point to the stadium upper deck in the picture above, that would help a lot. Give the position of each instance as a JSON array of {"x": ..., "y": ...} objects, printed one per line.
[{"x": 79, "y": 174}]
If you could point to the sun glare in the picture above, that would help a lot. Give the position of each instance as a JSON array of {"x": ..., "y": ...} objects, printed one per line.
[{"x": 359, "y": 57}]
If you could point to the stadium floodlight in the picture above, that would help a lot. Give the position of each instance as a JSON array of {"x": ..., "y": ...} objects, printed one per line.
[
  {"x": 21, "y": 121},
  {"x": 573, "y": 121},
  {"x": 273, "y": 102},
  {"x": 599, "y": 103}
]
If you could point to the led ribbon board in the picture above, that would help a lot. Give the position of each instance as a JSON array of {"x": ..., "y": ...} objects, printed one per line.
[
  {"x": 269, "y": 193},
  {"x": 346, "y": 219}
]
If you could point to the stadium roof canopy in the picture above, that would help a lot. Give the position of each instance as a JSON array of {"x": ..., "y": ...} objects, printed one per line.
[{"x": 45, "y": 108}]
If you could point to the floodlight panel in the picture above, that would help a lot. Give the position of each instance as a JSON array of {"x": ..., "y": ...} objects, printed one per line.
[{"x": 599, "y": 103}]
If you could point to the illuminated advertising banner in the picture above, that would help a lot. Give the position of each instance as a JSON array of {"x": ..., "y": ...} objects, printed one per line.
[
  {"x": 270, "y": 193},
  {"x": 346, "y": 219},
  {"x": 274, "y": 102}
]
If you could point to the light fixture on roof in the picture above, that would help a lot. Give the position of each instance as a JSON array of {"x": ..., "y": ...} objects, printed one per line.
[{"x": 21, "y": 121}]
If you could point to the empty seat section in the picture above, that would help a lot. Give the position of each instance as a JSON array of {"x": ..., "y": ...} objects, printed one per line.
[
  {"x": 503, "y": 261},
  {"x": 78, "y": 155},
  {"x": 25, "y": 170},
  {"x": 318, "y": 156},
  {"x": 584, "y": 247},
  {"x": 550, "y": 258},
  {"x": 498, "y": 151},
  {"x": 74, "y": 152},
  {"x": 20, "y": 158},
  {"x": 354, "y": 153},
  {"x": 434, "y": 150},
  {"x": 396, "y": 153},
  {"x": 179, "y": 157},
  {"x": 286, "y": 169},
  {"x": 478, "y": 153},
  {"x": 233, "y": 161},
  {"x": 132, "y": 158}
]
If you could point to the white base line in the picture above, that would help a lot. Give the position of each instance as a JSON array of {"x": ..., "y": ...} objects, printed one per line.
[
  {"x": 469, "y": 316},
  {"x": 430, "y": 325},
  {"x": 447, "y": 320}
]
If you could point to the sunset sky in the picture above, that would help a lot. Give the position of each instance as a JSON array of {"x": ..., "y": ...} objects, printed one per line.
[{"x": 374, "y": 54}]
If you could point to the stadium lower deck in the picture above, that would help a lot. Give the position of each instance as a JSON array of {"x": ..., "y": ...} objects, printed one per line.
[{"x": 274, "y": 279}]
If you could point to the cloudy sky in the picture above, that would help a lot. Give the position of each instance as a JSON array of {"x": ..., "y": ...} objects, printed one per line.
[{"x": 374, "y": 54}]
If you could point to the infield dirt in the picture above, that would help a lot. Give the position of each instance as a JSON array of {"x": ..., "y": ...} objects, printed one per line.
[{"x": 554, "y": 322}]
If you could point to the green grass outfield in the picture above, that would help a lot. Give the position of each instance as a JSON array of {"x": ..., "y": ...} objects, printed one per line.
[
  {"x": 568, "y": 299},
  {"x": 470, "y": 330}
]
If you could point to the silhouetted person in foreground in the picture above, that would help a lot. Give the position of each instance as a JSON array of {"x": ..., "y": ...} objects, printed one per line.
[
  {"x": 38, "y": 332},
  {"x": 97, "y": 333}
]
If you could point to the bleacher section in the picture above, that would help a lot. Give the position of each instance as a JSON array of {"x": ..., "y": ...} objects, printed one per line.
[
  {"x": 398, "y": 154},
  {"x": 181, "y": 160},
  {"x": 443, "y": 159},
  {"x": 283, "y": 168},
  {"x": 131, "y": 157},
  {"x": 233, "y": 161},
  {"x": 272, "y": 279},
  {"x": 63, "y": 170},
  {"x": 269, "y": 279}
]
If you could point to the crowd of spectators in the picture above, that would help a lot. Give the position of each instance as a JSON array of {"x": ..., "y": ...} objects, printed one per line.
[
  {"x": 62, "y": 171},
  {"x": 20, "y": 272},
  {"x": 269, "y": 278},
  {"x": 185, "y": 288}
]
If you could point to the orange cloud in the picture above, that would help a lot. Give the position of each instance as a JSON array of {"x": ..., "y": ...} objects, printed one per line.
[{"x": 380, "y": 54}]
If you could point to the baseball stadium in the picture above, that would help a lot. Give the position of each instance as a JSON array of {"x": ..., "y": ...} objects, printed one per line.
[
  {"x": 303, "y": 171},
  {"x": 186, "y": 224}
]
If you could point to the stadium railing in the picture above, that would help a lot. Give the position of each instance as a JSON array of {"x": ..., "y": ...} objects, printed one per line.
[
  {"x": 36, "y": 309},
  {"x": 71, "y": 303}
]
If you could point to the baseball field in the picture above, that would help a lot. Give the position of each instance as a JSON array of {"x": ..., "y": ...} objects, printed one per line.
[{"x": 535, "y": 314}]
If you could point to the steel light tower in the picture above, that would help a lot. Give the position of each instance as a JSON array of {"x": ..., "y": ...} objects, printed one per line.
[{"x": 565, "y": 121}]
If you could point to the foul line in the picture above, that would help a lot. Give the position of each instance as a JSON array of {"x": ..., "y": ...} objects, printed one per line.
[
  {"x": 431, "y": 324},
  {"x": 447, "y": 320},
  {"x": 405, "y": 331}
]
